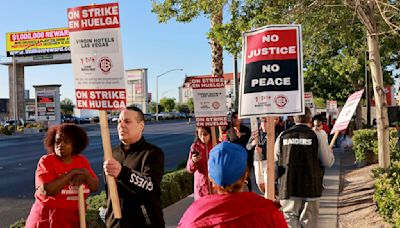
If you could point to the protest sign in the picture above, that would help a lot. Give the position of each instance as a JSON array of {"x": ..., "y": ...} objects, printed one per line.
[
  {"x": 96, "y": 54},
  {"x": 272, "y": 81},
  {"x": 209, "y": 101}
]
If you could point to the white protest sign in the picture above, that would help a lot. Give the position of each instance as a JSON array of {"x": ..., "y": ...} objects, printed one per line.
[
  {"x": 209, "y": 101},
  {"x": 96, "y": 54},
  {"x": 309, "y": 101},
  {"x": 272, "y": 81},
  {"x": 347, "y": 112}
]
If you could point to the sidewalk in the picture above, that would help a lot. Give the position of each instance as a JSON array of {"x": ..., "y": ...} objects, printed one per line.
[{"x": 328, "y": 207}]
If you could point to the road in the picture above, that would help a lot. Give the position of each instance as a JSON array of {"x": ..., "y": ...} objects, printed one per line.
[{"x": 19, "y": 156}]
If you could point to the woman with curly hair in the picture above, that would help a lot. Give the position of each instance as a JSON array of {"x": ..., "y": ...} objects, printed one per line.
[{"x": 58, "y": 176}]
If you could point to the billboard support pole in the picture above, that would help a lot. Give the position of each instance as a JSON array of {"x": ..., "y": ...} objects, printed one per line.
[{"x": 15, "y": 93}]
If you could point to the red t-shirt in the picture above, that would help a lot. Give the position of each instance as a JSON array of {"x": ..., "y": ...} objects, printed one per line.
[
  {"x": 50, "y": 167},
  {"x": 235, "y": 210}
]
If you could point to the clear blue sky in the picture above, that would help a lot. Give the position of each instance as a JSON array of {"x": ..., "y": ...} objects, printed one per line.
[{"x": 145, "y": 44}]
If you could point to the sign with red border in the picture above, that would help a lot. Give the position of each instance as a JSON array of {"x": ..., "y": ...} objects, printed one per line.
[
  {"x": 209, "y": 101},
  {"x": 347, "y": 112},
  {"x": 272, "y": 81},
  {"x": 96, "y": 54}
]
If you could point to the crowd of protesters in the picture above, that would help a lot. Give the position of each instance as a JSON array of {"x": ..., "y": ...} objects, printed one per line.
[{"x": 224, "y": 196}]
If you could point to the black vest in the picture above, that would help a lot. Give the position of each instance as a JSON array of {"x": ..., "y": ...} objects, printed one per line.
[{"x": 299, "y": 168}]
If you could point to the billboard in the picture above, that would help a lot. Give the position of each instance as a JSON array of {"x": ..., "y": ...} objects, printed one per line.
[
  {"x": 96, "y": 54},
  {"x": 37, "y": 42},
  {"x": 272, "y": 81}
]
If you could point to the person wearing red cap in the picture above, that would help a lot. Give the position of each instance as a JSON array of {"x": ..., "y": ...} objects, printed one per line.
[{"x": 230, "y": 207}]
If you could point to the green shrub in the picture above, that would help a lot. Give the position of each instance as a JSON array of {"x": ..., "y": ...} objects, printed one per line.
[
  {"x": 175, "y": 186},
  {"x": 365, "y": 145},
  {"x": 394, "y": 149},
  {"x": 92, "y": 213},
  {"x": 387, "y": 192},
  {"x": 10, "y": 128},
  {"x": 20, "y": 128},
  {"x": 5, "y": 131},
  {"x": 18, "y": 224}
]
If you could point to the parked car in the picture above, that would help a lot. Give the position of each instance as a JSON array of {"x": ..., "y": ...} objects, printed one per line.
[
  {"x": 67, "y": 119},
  {"x": 30, "y": 121},
  {"x": 94, "y": 119},
  {"x": 148, "y": 116},
  {"x": 20, "y": 122}
]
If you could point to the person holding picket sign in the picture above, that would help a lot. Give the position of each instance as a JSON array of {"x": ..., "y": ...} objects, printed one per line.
[
  {"x": 138, "y": 168},
  {"x": 258, "y": 143},
  {"x": 58, "y": 177},
  {"x": 197, "y": 161}
]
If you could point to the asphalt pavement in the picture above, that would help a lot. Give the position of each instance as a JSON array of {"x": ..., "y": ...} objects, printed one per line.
[{"x": 20, "y": 153}]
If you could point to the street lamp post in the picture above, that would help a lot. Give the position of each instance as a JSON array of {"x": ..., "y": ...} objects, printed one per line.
[{"x": 158, "y": 76}]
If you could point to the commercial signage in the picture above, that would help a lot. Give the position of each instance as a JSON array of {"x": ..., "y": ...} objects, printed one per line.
[
  {"x": 96, "y": 54},
  {"x": 209, "y": 101},
  {"x": 347, "y": 112},
  {"x": 36, "y": 42},
  {"x": 272, "y": 72},
  {"x": 45, "y": 105},
  {"x": 135, "y": 84},
  {"x": 30, "y": 108}
]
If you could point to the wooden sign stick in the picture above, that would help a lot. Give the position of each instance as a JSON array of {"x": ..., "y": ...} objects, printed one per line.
[
  {"x": 333, "y": 140},
  {"x": 213, "y": 136},
  {"x": 270, "y": 189},
  {"x": 81, "y": 204},
  {"x": 112, "y": 185}
]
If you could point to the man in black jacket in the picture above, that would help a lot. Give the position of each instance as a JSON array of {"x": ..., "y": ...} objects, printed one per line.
[
  {"x": 300, "y": 155},
  {"x": 138, "y": 167}
]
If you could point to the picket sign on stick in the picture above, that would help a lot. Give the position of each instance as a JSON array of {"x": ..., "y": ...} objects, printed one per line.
[
  {"x": 254, "y": 133},
  {"x": 213, "y": 136},
  {"x": 112, "y": 185},
  {"x": 96, "y": 56},
  {"x": 345, "y": 115},
  {"x": 270, "y": 190},
  {"x": 333, "y": 140},
  {"x": 81, "y": 204}
]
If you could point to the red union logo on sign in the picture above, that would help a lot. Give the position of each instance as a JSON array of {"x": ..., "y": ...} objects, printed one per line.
[
  {"x": 105, "y": 64},
  {"x": 216, "y": 105},
  {"x": 281, "y": 101}
]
